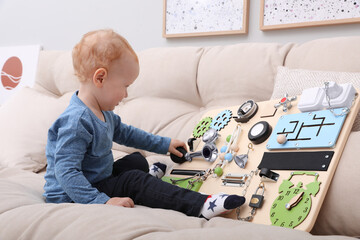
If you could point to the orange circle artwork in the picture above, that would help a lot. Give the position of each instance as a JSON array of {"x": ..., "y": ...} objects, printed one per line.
[{"x": 11, "y": 73}]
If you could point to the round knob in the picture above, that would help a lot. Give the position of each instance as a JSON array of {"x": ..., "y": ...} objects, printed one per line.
[
  {"x": 228, "y": 157},
  {"x": 177, "y": 159},
  {"x": 234, "y": 147},
  {"x": 223, "y": 149},
  {"x": 281, "y": 139},
  {"x": 259, "y": 132},
  {"x": 218, "y": 171}
]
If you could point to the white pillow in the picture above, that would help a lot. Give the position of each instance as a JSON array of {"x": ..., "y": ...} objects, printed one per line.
[
  {"x": 24, "y": 123},
  {"x": 294, "y": 81}
]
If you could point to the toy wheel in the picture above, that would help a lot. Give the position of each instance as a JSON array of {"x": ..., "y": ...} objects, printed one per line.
[
  {"x": 202, "y": 127},
  {"x": 221, "y": 120}
]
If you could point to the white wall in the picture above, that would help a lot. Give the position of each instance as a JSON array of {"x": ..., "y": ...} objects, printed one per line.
[{"x": 59, "y": 24}]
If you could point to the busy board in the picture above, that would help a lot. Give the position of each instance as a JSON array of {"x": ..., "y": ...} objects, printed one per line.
[{"x": 280, "y": 159}]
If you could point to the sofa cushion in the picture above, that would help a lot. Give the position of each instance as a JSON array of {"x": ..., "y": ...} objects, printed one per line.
[
  {"x": 24, "y": 123},
  {"x": 328, "y": 54},
  {"x": 19, "y": 188},
  {"x": 24, "y": 215},
  {"x": 55, "y": 73},
  {"x": 167, "y": 73},
  {"x": 230, "y": 75},
  {"x": 294, "y": 81}
]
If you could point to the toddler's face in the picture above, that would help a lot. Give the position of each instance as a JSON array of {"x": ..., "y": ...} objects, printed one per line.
[{"x": 121, "y": 74}]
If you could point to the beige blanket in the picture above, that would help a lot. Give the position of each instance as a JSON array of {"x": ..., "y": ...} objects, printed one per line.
[{"x": 25, "y": 215}]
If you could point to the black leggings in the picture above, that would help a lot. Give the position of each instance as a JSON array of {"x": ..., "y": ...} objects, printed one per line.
[{"x": 130, "y": 178}]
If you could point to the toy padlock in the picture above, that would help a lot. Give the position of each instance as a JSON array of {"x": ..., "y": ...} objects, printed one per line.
[{"x": 256, "y": 199}]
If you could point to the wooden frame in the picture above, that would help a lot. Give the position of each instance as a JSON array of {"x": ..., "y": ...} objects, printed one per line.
[
  {"x": 281, "y": 14},
  {"x": 179, "y": 22}
]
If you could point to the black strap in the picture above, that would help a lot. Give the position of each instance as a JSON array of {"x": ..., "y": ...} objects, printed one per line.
[
  {"x": 309, "y": 161},
  {"x": 187, "y": 172}
]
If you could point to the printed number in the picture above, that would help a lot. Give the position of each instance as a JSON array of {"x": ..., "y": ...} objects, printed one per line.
[
  {"x": 287, "y": 193},
  {"x": 274, "y": 205},
  {"x": 280, "y": 198},
  {"x": 291, "y": 223},
  {"x": 299, "y": 218},
  {"x": 282, "y": 224},
  {"x": 305, "y": 210},
  {"x": 307, "y": 199},
  {"x": 276, "y": 221},
  {"x": 296, "y": 191},
  {"x": 273, "y": 214}
]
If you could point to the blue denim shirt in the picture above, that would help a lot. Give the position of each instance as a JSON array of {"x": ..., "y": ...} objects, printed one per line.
[{"x": 79, "y": 153}]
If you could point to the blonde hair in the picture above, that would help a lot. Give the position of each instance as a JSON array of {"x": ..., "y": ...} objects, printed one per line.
[{"x": 97, "y": 49}]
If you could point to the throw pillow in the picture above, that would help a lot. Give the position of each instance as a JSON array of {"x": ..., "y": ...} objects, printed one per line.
[
  {"x": 24, "y": 123},
  {"x": 294, "y": 81}
]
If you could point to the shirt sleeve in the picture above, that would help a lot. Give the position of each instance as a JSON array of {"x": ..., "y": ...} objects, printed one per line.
[
  {"x": 134, "y": 137},
  {"x": 70, "y": 151}
]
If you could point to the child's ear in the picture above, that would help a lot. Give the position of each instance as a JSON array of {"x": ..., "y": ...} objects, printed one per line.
[{"x": 99, "y": 77}]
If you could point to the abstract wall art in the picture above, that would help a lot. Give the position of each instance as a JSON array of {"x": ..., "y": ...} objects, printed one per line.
[
  {"x": 18, "y": 68},
  {"x": 183, "y": 18},
  {"x": 280, "y": 14}
]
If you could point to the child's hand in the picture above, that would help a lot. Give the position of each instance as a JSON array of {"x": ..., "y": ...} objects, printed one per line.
[
  {"x": 122, "y": 202},
  {"x": 174, "y": 144}
]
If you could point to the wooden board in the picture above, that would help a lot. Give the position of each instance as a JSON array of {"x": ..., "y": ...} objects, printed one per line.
[{"x": 266, "y": 112}]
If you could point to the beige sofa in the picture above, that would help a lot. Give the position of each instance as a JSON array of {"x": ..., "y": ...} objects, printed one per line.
[{"x": 176, "y": 86}]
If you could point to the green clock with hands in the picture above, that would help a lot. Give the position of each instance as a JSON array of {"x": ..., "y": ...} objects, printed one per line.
[{"x": 293, "y": 204}]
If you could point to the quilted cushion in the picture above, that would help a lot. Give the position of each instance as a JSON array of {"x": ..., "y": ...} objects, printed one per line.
[{"x": 24, "y": 123}]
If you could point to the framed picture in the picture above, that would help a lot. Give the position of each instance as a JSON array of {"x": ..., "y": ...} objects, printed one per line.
[
  {"x": 18, "y": 69},
  {"x": 184, "y": 18},
  {"x": 280, "y": 14}
]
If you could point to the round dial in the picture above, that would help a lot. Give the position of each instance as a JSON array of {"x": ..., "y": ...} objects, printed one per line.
[
  {"x": 290, "y": 217},
  {"x": 293, "y": 204},
  {"x": 259, "y": 132},
  {"x": 246, "y": 111},
  {"x": 210, "y": 135}
]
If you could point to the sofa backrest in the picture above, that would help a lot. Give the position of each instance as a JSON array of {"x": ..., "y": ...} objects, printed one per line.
[
  {"x": 55, "y": 74},
  {"x": 168, "y": 73},
  {"x": 328, "y": 54},
  {"x": 193, "y": 80},
  {"x": 230, "y": 75}
]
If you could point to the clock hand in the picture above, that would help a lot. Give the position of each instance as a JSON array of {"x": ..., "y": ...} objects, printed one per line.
[{"x": 294, "y": 201}]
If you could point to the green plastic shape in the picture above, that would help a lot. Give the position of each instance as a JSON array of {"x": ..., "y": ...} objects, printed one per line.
[
  {"x": 293, "y": 204},
  {"x": 202, "y": 127},
  {"x": 184, "y": 184}
]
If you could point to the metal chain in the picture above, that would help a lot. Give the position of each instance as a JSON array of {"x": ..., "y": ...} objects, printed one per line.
[
  {"x": 345, "y": 110},
  {"x": 198, "y": 178},
  {"x": 247, "y": 183}
]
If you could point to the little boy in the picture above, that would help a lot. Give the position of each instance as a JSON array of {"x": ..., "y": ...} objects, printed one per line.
[{"x": 80, "y": 162}]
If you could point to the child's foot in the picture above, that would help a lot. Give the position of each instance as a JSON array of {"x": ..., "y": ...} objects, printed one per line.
[
  {"x": 220, "y": 203},
  {"x": 157, "y": 169}
]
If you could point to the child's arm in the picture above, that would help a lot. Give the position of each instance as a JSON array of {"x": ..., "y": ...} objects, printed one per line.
[{"x": 134, "y": 137}]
